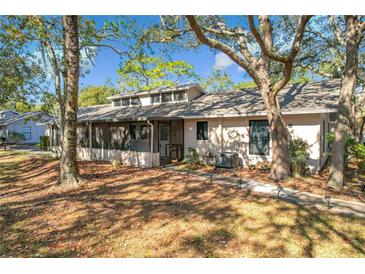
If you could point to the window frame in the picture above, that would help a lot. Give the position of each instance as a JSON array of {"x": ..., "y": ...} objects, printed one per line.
[
  {"x": 176, "y": 95},
  {"x": 250, "y": 144},
  {"x": 164, "y": 94},
  {"x": 25, "y": 133},
  {"x": 135, "y": 98},
  {"x": 205, "y": 136},
  {"x": 119, "y": 103},
  {"x": 155, "y": 96},
  {"x": 124, "y": 100}
]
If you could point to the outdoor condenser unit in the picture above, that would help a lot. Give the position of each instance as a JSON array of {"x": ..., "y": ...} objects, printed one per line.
[{"x": 227, "y": 160}]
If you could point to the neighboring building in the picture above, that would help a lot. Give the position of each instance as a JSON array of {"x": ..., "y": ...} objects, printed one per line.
[
  {"x": 31, "y": 124},
  {"x": 156, "y": 127}
]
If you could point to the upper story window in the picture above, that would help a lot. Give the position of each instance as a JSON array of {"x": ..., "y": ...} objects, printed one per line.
[
  {"x": 135, "y": 101},
  {"x": 125, "y": 102},
  {"x": 116, "y": 103},
  {"x": 202, "y": 130},
  {"x": 259, "y": 137},
  {"x": 179, "y": 96},
  {"x": 166, "y": 97},
  {"x": 155, "y": 99}
]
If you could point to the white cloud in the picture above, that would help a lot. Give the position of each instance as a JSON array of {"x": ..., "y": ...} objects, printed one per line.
[
  {"x": 222, "y": 61},
  {"x": 240, "y": 69}
]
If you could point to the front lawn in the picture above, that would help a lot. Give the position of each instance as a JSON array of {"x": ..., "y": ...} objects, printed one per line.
[{"x": 132, "y": 212}]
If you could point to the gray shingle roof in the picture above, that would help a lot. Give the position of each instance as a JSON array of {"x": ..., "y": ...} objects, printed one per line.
[
  {"x": 36, "y": 115},
  {"x": 313, "y": 97}
]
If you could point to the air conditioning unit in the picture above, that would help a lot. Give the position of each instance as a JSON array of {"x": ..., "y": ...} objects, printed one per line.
[{"x": 227, "y": 160}]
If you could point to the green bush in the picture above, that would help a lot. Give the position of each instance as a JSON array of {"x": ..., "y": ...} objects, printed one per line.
[
  {"x": 44, "y": 142},
  {"x": 353, "y": 149},
  {"x": 193, "y": 157},
  {"x": 16, "y": 137},
  {"x": 298, "y": 153}
]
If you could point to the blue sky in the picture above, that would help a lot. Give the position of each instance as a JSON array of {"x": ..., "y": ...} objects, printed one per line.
[{"x": 203, "y": 59}]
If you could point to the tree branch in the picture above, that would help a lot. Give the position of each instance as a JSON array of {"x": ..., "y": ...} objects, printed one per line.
[
  {"x": 336, "y": 30},
  {"x": 222, "y": 47},
  {"x": 294, "y": 48}
]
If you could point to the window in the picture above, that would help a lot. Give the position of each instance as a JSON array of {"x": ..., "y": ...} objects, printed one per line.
[
  {"x": 101, "y": 135},
  {"x": 117, "y": 103},
  {"x": 202, "y": 130},
  {"x": 27, "y": 133},
  {"x": 155, "y": 99},
  {"x": 259, "y": 137},
  {"x": 125, "y": 102},
  {"x": 135, "y": 101},
  {"x": 133, "y": 129},
  {"x": 166, "y": 97},
  {"x": 144, "y": 132},
  {"x": 179, "y": 96}
]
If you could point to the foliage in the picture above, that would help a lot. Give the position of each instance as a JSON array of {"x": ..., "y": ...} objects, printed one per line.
[
  {"x": 298, "y": 150},
  {"x": 95, "y": 95},
  {"x": 15, "y": 137},
  {"x": 193, "y": 157},
  {"x": 116, "y": 163},
  {"x": 264, "y": 166},
  {"x": 218, "y": 81},
  {"x": 144, "y": 72},
  {"x": 44, "y": 142},
  {"x": 244, "y": 85},
  {"x": 353, "y": 149}
]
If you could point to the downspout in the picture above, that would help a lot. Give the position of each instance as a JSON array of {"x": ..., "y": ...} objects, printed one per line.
[{"x": 152, "y": 137}]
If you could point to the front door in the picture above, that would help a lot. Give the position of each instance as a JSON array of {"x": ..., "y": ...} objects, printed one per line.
[{"x": 164, "y": 139}]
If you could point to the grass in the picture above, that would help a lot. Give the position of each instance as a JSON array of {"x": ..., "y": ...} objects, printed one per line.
[{"x": 133, "y": 212}]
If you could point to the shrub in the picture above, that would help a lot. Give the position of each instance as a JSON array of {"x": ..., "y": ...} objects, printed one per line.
[
  {"x": 264, "y": 166},
  {"x": 116, "y": 163},
  {"x": 298, "y": 153},
  {"x": 193, "y": 157},
  {"x": 16, "y": 137},
  {"x": 353, "y": 149},
  {"x": 44, "y": 142}
]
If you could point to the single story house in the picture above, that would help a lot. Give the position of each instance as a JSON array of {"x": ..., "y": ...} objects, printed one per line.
[
  {"x": 31, "y": 124},
  {"x": 156, "y": 127}
]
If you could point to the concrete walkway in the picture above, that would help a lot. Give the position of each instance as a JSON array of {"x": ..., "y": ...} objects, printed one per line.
[{"x": 286, "y": 194}]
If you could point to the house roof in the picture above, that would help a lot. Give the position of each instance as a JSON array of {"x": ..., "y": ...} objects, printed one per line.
[
  {"x": 312, "y": 97},
  {"x": 36, "y": 115}
]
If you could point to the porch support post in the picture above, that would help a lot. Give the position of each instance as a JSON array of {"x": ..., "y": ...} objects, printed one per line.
[
  {"x": 90, "y": 139},
  {"x": 221, "y": 132},
  {"x": 152, "y": 137},
  {"x": 50, "y": 128}
]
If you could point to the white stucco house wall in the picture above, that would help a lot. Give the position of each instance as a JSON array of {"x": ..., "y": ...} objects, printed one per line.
[
  {"x": 31, "y": 124},
  {"x": 159, "y": 126}
]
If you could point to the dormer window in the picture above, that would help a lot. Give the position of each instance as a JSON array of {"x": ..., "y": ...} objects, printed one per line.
[
  {"x": 135, "y": 101},
  {"x": 116, "y": 103},
  {"x": 166, "y": 97},
  {"x": 155, "y": 99},
  {"x": 179, "y": 96},
  {"x": 125, "y": 102}
]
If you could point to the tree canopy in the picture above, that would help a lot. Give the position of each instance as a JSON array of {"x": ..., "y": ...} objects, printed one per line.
[{"x": 95, "y": 95}]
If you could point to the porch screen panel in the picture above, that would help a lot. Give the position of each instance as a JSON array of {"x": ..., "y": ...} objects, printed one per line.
[
  {"x": 101, "y": 135},
  {"x": 119, "y": 135},
  {"x": 82, "y": 135},
  {"x": 259, "y": 137}
]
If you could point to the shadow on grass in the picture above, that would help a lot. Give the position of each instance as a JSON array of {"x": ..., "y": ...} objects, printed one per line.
[{"x": 37, "y": 219}]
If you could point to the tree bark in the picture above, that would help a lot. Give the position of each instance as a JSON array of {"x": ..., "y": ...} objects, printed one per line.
[
  {"x": 68, "y": 165},
  {"x": 353, "y": 38}
]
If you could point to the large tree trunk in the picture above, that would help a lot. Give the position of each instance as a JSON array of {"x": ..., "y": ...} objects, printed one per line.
[
  {"x": 280, "y": 167},
  {"x": 68, "y": 165},
  {"x": 335, "y": 177}
]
